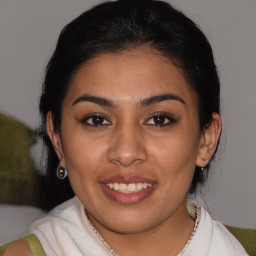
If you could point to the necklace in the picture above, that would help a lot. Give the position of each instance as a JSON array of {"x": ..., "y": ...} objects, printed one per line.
[
  {"x": 197, "y": 216},
  {"x": 101, "y": 238}
]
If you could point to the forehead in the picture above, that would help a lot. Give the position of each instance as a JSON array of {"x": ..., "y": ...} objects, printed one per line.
[{"x": 130, "y": 76}]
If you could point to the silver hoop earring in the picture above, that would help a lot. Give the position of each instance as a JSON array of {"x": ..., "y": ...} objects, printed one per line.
[{"x": 61, "y": 172}]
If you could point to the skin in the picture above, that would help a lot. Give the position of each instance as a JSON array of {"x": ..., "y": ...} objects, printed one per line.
[
  {"x": 129, "y": 143},
  {"x": 20, "y": 248}
]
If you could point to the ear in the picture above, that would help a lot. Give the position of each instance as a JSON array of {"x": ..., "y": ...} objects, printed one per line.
[
  {"x": 54, "y": 137},
  {"x": 209, "y": 140}
]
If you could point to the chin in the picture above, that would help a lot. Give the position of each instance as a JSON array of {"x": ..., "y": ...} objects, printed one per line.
[{"x": 131, "y": 222}]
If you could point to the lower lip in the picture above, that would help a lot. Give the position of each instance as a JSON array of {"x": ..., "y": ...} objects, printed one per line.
[{"x": 127, "y": 198}]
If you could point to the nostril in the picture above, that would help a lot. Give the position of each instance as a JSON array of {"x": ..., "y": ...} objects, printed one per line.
[
  {"x": 127, "y": 155},
  {"x": 127, "y": 161}
]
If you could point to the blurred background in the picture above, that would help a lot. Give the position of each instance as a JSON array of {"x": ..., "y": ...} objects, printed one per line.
[{"x": 28, "y": 34}]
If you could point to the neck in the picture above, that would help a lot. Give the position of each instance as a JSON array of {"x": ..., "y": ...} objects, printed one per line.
[{"x": 169, "y": 236}]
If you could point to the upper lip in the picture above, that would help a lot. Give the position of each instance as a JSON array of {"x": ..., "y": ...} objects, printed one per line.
[{"x": 127, "y": 180}]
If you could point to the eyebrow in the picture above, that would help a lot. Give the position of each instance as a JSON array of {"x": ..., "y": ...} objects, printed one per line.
[
  {"x": 145, "y": 102},
  {"x": 160, "y": 98},
  {"x": 94, "y": 99}
]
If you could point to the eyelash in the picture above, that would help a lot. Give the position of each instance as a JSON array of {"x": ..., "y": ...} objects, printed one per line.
[{"x": 165, "y": 117}]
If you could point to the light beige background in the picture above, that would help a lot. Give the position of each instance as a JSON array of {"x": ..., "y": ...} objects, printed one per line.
[{"x": 28, "y": 33}]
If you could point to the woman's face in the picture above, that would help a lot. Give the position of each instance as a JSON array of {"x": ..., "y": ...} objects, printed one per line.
[{"x": 130, "y": 139}]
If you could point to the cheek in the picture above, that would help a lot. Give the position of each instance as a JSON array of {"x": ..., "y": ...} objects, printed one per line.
[
  {"x": 175, "y": 154},
  {"x": 83, "y": 154},
  {"x": 84, "y": 162}
]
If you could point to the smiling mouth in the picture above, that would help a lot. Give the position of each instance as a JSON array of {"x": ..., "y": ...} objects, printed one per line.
[{"x": 128, "y": 188}]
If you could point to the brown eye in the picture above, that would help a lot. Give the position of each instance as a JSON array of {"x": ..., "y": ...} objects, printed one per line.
[
  {"x": 96, "y": 120},
  {"x": 160, "y": 120}
]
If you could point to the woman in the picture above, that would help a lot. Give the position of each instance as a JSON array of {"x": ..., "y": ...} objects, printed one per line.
[{"x": 131, "y": 119}]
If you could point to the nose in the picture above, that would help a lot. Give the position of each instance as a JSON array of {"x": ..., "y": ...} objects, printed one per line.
[{"x": 127, "y": 147}]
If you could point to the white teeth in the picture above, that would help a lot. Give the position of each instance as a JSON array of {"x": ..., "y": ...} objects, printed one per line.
[
  {"x": 128, "y": 188},
  {"x": 140, "y": 186},
  {"x": 132, "y": 187},
  {"x": 116, "y": 186},
  {"x": 122, "y": 187}
]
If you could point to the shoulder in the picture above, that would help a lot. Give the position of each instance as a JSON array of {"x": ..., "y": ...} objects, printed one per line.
[
  {"x": 27, "y": 245},
  {"x": 221, "y": 241},
  {"x": 212, "y": 238},
  {"x": 60, "y": 224},
  {"x": 225, "y": 241},
  {"x": 19, "y": 247}
]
